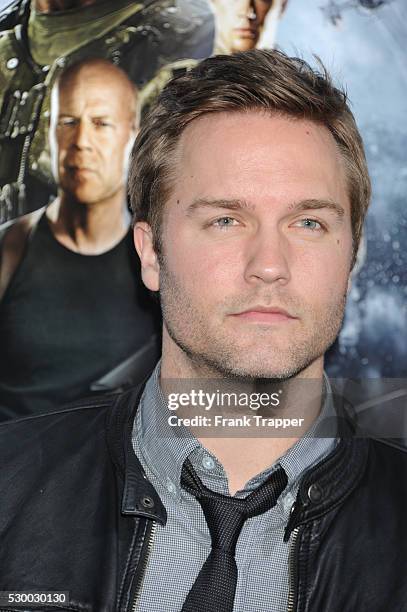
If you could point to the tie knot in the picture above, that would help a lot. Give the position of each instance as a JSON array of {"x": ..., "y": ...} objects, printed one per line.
[{"x": 225, "y": 516}]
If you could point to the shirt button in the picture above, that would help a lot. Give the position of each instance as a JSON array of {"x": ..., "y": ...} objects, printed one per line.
[
  {"x": 171, "y": 488},
  {"x": 208, "y": 463},
  {"x": 288, "y": 500}
]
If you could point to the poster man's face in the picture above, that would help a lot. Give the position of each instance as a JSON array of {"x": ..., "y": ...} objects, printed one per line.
[
  {"x": 240, "y": 22},
  {"x": 92, "y": 133},
  {"x": 257, "y": 245}
]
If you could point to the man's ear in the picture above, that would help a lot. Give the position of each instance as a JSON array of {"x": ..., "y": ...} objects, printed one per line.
[{"x": 150, "y": 268}]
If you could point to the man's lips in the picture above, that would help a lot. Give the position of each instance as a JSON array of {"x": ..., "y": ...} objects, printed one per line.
[
  {"x": 80, "y": 169},
  {"x": 264, "y": 314},
  {"x": 246, "y": 32}
]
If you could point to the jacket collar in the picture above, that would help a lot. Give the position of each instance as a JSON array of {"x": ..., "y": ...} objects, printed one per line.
[
  {"x": 321, "y": 488},
  {"x": 139, "y": 498},
  {"x": 328, "y": 483}
]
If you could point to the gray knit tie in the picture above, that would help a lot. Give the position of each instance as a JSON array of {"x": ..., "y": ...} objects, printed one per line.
[{"x": 215, "y": 586}]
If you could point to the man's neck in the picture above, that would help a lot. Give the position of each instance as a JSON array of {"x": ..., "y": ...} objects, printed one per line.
[
  {"x": 57, "y": 6},
  {"x": 260, "y": 445},
  {"x": 89, "y": 229},
  {"x": 245, "y": 457},
  {"x": 258, "y": 448}
]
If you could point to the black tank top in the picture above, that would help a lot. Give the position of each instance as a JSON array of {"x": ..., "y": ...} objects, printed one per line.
[{"x": 66, "y": 319}]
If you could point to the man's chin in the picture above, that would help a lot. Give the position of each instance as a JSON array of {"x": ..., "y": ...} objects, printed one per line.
[
  {"x": 243, "y": 44},
  {"x": 254, "y": 369},
  {"x": 84, "y": 196},
  {"x": 262, "y": 373}
]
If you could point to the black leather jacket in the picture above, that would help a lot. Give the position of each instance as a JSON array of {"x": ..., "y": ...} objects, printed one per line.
[{"x": 77, "y": 514}]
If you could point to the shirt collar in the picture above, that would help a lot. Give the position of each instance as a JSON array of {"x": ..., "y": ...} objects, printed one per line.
[
  {"x": 313, "y": 445},
  {"x": 164, "y": 448}
]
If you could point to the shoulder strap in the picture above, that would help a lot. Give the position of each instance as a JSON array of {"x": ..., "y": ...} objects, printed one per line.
[{"x": 13, "y": 242}]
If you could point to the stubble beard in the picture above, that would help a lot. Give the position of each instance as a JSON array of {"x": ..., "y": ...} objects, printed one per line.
[{"x": 213, "y": 354}]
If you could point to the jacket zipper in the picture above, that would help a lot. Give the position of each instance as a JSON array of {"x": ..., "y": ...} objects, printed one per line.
[
  {"x": 144, "y": 566},
  {"x": 292, "y": 571}
]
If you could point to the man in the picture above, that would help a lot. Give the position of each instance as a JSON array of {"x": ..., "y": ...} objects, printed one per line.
[
  {"x": 41, "y": 37},
  {"x": 240, "y": 24},
  {"x": 70, "y": 279},
  {"x": 249, "y": 185}
]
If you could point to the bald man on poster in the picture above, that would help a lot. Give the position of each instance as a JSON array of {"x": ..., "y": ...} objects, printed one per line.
[
  {"x": 40, "y": 37},
  {"x": 72, "y": 305}
]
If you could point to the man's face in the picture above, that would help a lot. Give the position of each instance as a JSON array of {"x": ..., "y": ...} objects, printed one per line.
[
  {"x": 240, "y": 22},
  {"x": 257, "y": 246},
  {"x": 91, "y": 134}
]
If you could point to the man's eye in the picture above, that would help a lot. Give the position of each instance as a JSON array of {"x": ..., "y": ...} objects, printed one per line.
[
  {"x": 101, "y": 123},
  {"x": 66, "y": 121},
  {"x": 310, "y": 224},
  {"x": 225, "y": 222}
]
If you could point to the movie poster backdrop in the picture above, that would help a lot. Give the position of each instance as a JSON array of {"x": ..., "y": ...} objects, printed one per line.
[{"x": 362, "y": 42}]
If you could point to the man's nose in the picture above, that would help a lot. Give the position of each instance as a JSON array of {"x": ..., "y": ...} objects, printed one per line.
[
  {"x": 268, "y": 259},
  {"x": 81, "y": 136},
  {"x": 247, "y": 10}
]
